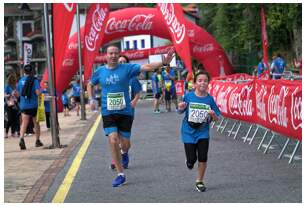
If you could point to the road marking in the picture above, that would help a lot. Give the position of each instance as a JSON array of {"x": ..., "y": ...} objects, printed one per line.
[{"x": 63, "y": 190}]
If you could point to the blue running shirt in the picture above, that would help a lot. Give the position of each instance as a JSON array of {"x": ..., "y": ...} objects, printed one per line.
[
  {"x": 196, "y": 107},
  {"x": 115, "y": 87},
  {"x": 33, "y": 101},
  {"x": 135, "y": 88}
]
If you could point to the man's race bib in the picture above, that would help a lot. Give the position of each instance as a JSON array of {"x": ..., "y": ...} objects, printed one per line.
[
  {"x": 115, "y": 101},
  {"x": 168, "y": 84},
  {"x": 198, "y": 112}
]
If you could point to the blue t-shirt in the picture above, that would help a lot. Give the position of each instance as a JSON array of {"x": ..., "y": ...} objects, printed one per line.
[
  {"x": 260, "y": 68},
  {"x": 33, "y": 101},
  {"x": 76, "y": 90},
  {"x": 134, "y": 88},
  {"x": 189, "y": 134},
  {"x": 65, "y": 99},
  {"x": 278, "y": 66},
  {"x": 115, "y": 87},
  {"x": 156, "y": 83},
  {"x": 168, "y": 81},
  {"x": 46, "y": 103},
  {"x": 8, "y": 89}
]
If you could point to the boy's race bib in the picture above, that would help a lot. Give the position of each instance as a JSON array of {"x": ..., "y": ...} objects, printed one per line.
[
  {"x": 198, "y": 112},
  {"x": 115, "y": 101}
]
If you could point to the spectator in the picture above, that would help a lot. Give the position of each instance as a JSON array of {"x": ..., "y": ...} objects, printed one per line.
[{"x": 278, "y": 67}]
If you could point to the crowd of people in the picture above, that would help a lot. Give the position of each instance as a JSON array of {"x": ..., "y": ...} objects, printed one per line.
[{"x": 277, "y": 67}]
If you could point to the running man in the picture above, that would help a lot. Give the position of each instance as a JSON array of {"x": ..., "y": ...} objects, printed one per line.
[
  {"x": 200, "y": 109},
  {"x": 134, "y": 92},
  {"x": 116, "y": 104}
]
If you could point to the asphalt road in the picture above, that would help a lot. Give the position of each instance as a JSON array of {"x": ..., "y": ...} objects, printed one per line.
[{"x": 236, "y": 171}]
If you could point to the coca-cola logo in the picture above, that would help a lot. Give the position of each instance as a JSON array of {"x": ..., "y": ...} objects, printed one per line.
[
  {"x": 69, "y": 7},
  {"x": 176, "y": 27},
  {"x": 296, "y": 108},
  {"x": 135, "y": 55},
  {"x": 277, "y": 110},
  {"x": 68, "y": 62},
  {"x": 97, "y": 19},
  {"x": 240, "y": 102},
  {"x": 162, "y": 51},
  {"x": 204, "y": 48},
  {"x": 139, "y": 22},
  {"x": 260, "y": 102},
  {"x": 222, "y": 98}
]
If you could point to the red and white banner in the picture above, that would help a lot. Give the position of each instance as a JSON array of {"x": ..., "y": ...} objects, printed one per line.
[
  {"x": 96, "y": 17},
  {"x": 279, "y": 106},
  {"x": 179, "y": 86},
  {"x": 264, "y": 37},
  {"x": 62, "y": 16},
  {"x": 173, "y": 16},
  {"x": 136, "y": 21},
  {"x": 137, "y": 54},
  {"x": 274, "y": 104}
]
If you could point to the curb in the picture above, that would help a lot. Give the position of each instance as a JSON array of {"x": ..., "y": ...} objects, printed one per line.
[{"x": 41, "y": 186}]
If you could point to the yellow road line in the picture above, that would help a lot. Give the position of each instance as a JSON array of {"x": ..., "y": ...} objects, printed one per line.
[{"x": 63, "y": 190}]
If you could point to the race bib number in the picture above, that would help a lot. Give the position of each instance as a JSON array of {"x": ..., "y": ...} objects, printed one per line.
[
  {"x": 198, "y": 112},
  {"x": 115, "y": 101},
  {"x": 168, "y": 84}
]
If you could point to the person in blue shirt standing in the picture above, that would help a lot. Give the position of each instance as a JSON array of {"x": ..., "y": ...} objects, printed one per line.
[
  {"x": 261, "y": 67},
  {"x": 200, "y": 109},
  {"x": 117, "y": 112},
  {"x": 65, "y": 101},
  {"x": 29, "y": 90},
  {"x": 278, "y": 66},
  {"x": 46, "y": 104},
  {"x": 76, "y": 93},
  {"x": 157, "y": 89},
  {"x": 134, "y": 92},
  {"x": 170, "y": 91}
]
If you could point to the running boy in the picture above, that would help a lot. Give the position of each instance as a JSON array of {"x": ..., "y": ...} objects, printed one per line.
[{"x": 200, "y": 109}]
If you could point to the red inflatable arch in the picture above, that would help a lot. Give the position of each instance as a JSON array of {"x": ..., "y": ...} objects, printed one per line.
[{"x": 136, "y": 21}]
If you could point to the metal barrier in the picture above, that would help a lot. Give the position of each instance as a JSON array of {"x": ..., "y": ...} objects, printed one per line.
[{"x": 234, "y": 130}]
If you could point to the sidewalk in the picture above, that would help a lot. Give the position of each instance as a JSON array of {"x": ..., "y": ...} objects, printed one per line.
[{"x": 28, "y": 174}]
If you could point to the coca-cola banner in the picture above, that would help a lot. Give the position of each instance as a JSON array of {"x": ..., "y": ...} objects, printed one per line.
[
  {"x": 173, "y": 17},
  {"x": 135, "y": 21},
  {"x": 179, "y": 87},
  {"x": 274, "y": 104},
  {"x": 137, "y": 54},
  {"x": 279, "y": 106},
  {"x": 96, "y": 17},
  {"x": 235, "y": 100},
  {"x": 62, "y": 18}
]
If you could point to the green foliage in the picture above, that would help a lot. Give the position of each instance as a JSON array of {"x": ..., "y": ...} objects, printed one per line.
[{"x": 237, "y": 28}]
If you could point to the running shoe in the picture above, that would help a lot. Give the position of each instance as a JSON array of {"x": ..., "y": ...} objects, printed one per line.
[
  {"x": 119, "y": 181},
  {"x": 125, "y": 160},
  {"x": 200, "y": 186},
  {"x": 38, "y": 143},
  {"x": 22, "y": 144},
  {"x": 189, "y": 166}
]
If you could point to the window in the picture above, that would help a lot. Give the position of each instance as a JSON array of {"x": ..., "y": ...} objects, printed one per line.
[
  {"x": 142, "y": 43},
  {"x": 127, "y": 45},
  {"x": 135, "y": 44},
  {"x": 27, "y": 27}
]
